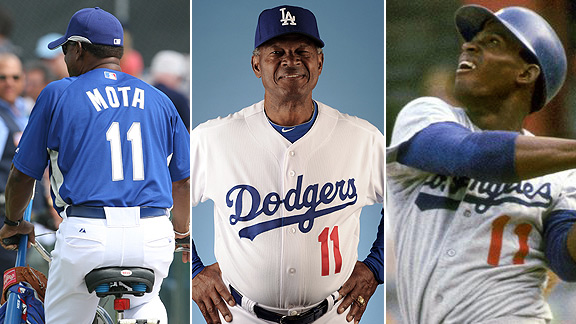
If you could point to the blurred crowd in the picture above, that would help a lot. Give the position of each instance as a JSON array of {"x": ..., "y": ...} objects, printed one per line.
[{"x": 20, "y": 85}]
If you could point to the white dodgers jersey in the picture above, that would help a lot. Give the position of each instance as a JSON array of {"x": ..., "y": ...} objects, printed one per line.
[{"x": 287, "y": 214}]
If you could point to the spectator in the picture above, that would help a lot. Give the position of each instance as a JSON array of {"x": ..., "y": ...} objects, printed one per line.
[
  {"x": 53, "y": 59},
  {"x": 132, "y": 61},
  {"x": 168, "y": 71},
  {"x": 11, "y": 88},
  {"x": 12, "y": 122},
  {"x": 37, "y": 76},
  {"x": 6, "y": 45}
]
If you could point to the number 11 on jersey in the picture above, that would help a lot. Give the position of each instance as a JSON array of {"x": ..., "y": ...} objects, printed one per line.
[
  {"x": 134, "y": 135},
  {"x": 324, "y": 249}
]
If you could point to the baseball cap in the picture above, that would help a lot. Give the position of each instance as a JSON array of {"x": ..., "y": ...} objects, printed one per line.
[
  {"x": 169, "y": 62},
  {"x": 94, "y": 26},
  {"x": 283, "y": 20},
  {"x": 42, "y": 50}
]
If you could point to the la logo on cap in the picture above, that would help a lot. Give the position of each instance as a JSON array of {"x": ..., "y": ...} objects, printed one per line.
[{"x": 287, "y": 17}]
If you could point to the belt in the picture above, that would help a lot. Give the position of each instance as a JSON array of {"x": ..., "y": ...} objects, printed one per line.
[
  {"x": 98, "y": 212},
  {"x": 307, "y": 317}
]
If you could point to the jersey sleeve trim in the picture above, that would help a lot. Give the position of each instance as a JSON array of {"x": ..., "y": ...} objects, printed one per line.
[
  {"x": 451, "y": 149},
  {"x": 375, "y": 260},
  {"x": 556, "y": 228}
]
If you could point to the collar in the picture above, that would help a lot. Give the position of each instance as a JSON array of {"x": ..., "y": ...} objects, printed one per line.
[{"x": 293, "y": 133}]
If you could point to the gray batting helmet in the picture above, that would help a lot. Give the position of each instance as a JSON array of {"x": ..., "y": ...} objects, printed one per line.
[{"x": 533, "y": 32}]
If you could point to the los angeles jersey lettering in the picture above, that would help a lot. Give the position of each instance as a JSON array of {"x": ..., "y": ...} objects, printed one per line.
[
  {"x": 120, "y": 119},
  {"x": 457, "y": 238},
  {"x": 287, "y": 213}
]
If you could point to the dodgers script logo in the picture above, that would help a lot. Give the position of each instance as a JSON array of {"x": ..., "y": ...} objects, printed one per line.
[
  {"x": 311, "y": 201},
  {"x": 483, "y": 194}
]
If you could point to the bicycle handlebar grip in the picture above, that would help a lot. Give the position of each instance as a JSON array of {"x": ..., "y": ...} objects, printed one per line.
[{"x": 12, "y": 240}]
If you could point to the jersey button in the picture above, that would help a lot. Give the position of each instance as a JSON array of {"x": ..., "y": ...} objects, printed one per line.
[
  {"x": 451, "y": 252},
  {"x": 467, "y": 213},
  {"x": 439, "y": 298},
  {"x": 292, "y": 153},
  {"x": 293, "y": 230},
  {"x": 292, "y": 271},
  {"x": 293, "y": 313},
  {"x": 292, "y": 173}
]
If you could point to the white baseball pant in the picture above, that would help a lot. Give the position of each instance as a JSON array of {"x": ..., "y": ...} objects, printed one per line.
[{"x": 122, "y": 239}]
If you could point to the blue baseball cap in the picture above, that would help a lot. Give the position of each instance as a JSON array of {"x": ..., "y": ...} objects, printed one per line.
[
  {"x": 284, "y": 20},
  {"x": 94, "y": 26}
]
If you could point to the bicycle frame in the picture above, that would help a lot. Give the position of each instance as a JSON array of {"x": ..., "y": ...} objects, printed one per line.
[{"x": 14, "y": 309}]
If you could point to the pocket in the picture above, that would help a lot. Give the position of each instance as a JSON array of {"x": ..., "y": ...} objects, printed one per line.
[
  {"x": 158, "y": 245},
  {"x": 84, "y": 235},
  {"x": 159, "y": 234},
  {"x": 162, "y": 242}
]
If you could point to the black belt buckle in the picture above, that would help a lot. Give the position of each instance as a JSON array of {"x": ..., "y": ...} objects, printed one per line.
[
  {"x": 306, "y": 317},
  {"x": 319, "y": 312}
]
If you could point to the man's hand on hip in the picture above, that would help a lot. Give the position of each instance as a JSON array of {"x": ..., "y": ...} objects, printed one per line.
[
  {"x": 357, "y": 291},
  {"x": 210, "y": 294}
]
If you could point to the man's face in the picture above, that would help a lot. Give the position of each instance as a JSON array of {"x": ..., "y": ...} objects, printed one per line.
[
  {"x": 489, "y": 65},
  {"x": 289, "y": 66},
  {"x": 35, "y": 83},
  {"x": 11, "y": 79},
  {"x": 70, "y": 50}
]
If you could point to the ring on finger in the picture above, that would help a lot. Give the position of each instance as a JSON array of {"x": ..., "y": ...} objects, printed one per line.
[{"x": 360, "y": 300}]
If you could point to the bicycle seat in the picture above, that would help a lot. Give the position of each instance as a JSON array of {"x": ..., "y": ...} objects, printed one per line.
[{"x": 106, "y": 281}]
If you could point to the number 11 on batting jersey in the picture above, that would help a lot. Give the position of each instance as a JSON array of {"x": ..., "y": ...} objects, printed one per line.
[{"x": 134, "y": 135}]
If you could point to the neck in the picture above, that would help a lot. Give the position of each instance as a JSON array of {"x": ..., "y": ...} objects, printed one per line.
[
  {"x": 92, "y": 63},
  {"x": 289, "y": 113},
  {"x": 503, "y": 117},
  {"x": 108, "y": 63}
]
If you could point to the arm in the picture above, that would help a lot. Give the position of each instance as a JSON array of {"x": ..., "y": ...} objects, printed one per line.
[
  {"x": 451, "y": 149},
  {"x": 364, "y": 279},
  {"x": 560, "y": 243},
  {"x": 537, "y": 155},
  {"x": 375, "y": 260},
  {"x": 197, "y": 265},
  {"x": 209, "y": 291},
  {"x": 181, "y": 211},
  {"x": 19, "y": 190}
]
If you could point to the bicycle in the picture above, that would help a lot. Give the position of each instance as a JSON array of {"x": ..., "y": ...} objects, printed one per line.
[{"x": 106, "y": 281}]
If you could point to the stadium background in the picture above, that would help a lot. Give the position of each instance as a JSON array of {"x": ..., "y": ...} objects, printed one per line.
[
  {"x": 422, "y": 48},
  {"x": 154, "y": 26}
]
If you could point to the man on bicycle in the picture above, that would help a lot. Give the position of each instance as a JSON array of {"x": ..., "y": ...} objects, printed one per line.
[{"x": 119, "y": 161}]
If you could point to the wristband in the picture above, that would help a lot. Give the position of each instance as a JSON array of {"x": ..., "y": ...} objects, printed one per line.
[
  {"x": 183, "y": 234},
  {"x": 12, "y": 223}
]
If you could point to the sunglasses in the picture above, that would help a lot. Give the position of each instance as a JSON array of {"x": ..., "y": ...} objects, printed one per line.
[
  {"x": 5, "y": 77},
  {"x": 65, "y": 46}
]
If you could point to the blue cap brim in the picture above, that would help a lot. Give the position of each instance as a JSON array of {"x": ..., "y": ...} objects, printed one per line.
[{"x": 57, "y": 43}]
